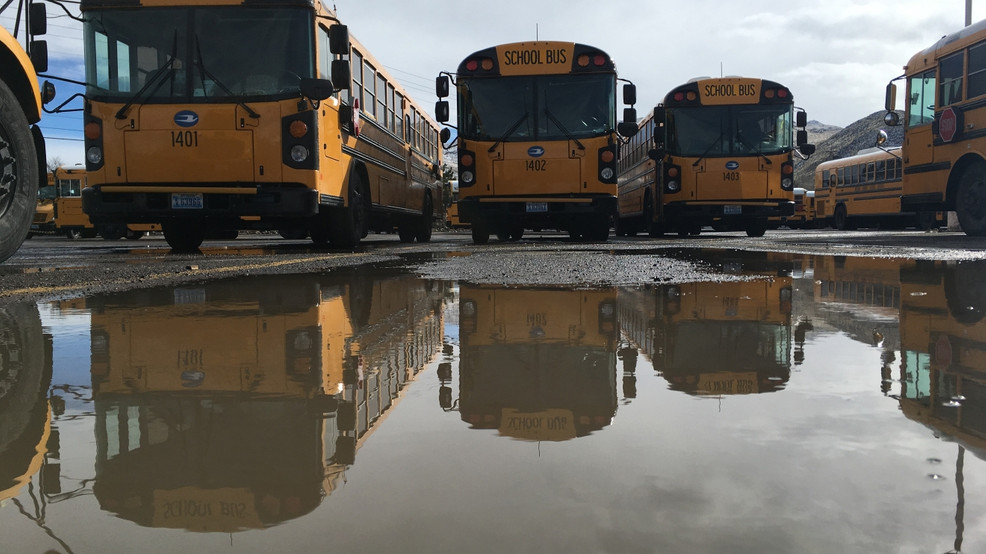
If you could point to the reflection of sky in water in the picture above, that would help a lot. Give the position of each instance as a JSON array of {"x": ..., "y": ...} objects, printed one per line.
[{"x": 69, "y": 328}]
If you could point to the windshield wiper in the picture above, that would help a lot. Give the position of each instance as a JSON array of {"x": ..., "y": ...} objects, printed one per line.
[
  {"x": 509, "y": 132},
  {"x": 167, "y": 69},
  {"x": 203, "y": 73},
  {"x": 558, "y": 124},
  {"x": 707, "y": 150},
  {"x": 759, "y": 151}
]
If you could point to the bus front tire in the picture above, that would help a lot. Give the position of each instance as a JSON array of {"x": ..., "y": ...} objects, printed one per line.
[
  {"x": 19, "y": 173},
  {"x": 841, "y": 218},
  {"x": 970, "y": 204},
  {"x": 480, "y": 233},
  {"x": 349, "y": 223}
]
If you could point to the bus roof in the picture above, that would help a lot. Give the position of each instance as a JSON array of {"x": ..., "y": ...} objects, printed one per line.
[
  {"x": 868, "y": 155},
  {"x": 947, "y": 44}
]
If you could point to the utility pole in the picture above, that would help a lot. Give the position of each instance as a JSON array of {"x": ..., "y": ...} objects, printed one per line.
[{"x": 968, "y": 12}]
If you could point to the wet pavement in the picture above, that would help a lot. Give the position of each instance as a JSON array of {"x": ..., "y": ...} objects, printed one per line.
[{"x": 788, "y": 402}]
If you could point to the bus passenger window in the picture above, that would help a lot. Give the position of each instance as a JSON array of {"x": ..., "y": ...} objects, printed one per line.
[
  {"x": 951, "y": 79},
  {"x": 977, "y": 70}
]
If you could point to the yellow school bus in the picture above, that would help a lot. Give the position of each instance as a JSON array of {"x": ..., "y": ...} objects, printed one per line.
[
  {"x": 185, "y": 128},
  {"x": 44, "y": 211},
  {"x": 244, "y": 402},
  {"x": 537, "y": 139},
  {"x": 537, "y": 363},
  {"x": 944, "y": 151},
  {"x": 716, "y": 151},
  {"x": 716, "y": 338},
  {"x": 865, "y": 191},
  {"x": 68, "y": 218}
]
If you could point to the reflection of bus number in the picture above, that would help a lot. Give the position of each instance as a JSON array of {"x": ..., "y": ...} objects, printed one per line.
[
  {"x": 190, "y": 358},
  {"x": 536, "y": 165},
  {"x": 540, "y": 319}
]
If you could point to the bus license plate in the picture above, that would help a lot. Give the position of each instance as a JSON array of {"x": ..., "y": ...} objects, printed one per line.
[
  {"x": 186, "y": 201},
  {"x": 732, "y": 210},
  {"x": 537, "y": 207}
]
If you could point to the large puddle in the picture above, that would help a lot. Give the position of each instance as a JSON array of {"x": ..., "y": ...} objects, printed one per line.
[{"x": 831, "y": 405}]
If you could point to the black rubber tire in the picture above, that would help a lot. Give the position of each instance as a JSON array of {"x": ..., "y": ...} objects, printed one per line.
[
  {"x": 183, "y": 236},
  {"x": 350, "y": 223},
  {"x": 970, "y": 204},
  {"x": 18, "y": 174}
]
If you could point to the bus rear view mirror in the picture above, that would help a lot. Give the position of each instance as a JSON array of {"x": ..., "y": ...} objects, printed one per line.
[
  {"x": 801, "y": 119},
  {"x": 341, "y": 74},
  {"x": 339, "y": 40},
  {"x": 892, "y": 119},
  {"x": 441, "y": 86},
  {"x": 890, "y": 103},
  {"x": 39, "y": 19},
  {"x": 316, "y": 89},
  {"x": 629, "y": 94},
  {"x": 442, "y": 111},
  {"x": 807, "y": 149}
]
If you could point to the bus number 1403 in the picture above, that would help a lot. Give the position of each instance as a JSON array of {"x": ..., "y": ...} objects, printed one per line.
[
  {"x": 536, "y": 165},
  {"x": 187, "y": 139}
]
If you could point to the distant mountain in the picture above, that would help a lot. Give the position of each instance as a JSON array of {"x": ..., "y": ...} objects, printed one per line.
[
  {"x": 840, "y": 143},
  {"x": 818, "y": 131}
]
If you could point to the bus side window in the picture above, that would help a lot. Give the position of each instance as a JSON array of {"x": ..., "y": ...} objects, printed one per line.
[
  {"x": 951, "y": 79},
  {"x": 842, "y": 176},
  {"x": 870, "y": 172},
  {"x": 880, "y": 168},
  {"x": 825, "y": 178},
  {"x": 977, "y": 70}
]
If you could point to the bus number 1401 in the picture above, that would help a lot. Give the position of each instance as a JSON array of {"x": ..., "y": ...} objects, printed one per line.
[{"x": 187, "y": 139}]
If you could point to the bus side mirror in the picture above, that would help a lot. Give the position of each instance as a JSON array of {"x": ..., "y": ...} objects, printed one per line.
[
  {"x": 881, "y": 137},
  {"x": 442, "y": 111},
  {"x": 892, "y": 119},
  {"x": 339, "y": 40},
  {"x": 445, "y": 135},
  {"x": 316, "y": 89},
  {"x": 630, "y": 94},
  {"x": 890, "y": 103},
  {"x": 801, "y": 119},
  {"x": 341, "y": 74},
  {"x": 39, "y": 19},
  {"x": 39, "y": 55},
  {"x": 807, "y": 149},
  {"x": 657, "y": 154},
  {"x": 441, "y": 86},
  {"x": 801, "y": 138}
]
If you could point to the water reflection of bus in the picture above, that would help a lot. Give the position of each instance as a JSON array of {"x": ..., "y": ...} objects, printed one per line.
[
  {"x": 240, "y": 404},
  {"x": 537, "y": 364},
  {"x": 860, "y": 296},
  {"x": 715, "y": 338},
  {"x": 25, "y": 416},
  {"x": 943, "y": 349}
]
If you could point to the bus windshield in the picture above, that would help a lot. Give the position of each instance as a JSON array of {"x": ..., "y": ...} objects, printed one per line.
[
  {"x": 711, "y": 131},
  {"x": 546, "y": 107},
  {"x": 189, "y": 54}
]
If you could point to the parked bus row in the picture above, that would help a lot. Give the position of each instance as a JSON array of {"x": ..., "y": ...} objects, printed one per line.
[{"x": 310, "y": 135}]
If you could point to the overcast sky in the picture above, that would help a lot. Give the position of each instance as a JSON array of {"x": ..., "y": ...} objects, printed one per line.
[{"x": 836, "y": 56}]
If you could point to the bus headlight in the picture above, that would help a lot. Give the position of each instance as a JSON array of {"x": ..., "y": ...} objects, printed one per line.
[
  {"x": 299, "y": 153},
  {"x": 606, "y": 174},
  {"x": 673, "y": 186},
  {"x": 94, "y": 155},
  {"x": 787, "y": 183},
  {"x": 468, "y": 177}
]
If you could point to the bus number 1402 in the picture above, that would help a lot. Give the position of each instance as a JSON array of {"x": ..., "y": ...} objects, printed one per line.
[{"x": 187, "y": 139}]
